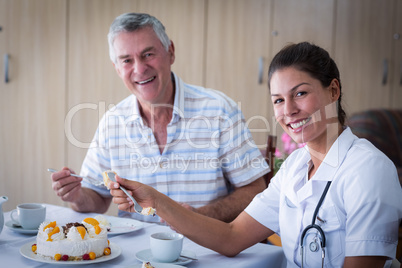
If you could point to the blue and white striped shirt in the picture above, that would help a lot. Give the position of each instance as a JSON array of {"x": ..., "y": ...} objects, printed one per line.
[{"x": 208, "y": 151}]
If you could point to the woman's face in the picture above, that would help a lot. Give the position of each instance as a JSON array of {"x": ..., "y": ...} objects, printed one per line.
[{"x": 302, "y": 106}]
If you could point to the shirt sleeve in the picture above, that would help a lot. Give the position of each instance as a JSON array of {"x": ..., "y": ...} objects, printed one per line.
[
  {"x": 265, "y": 206},
  {"x": 242, "y": 162},
  {"x": 97, "y": 160}
]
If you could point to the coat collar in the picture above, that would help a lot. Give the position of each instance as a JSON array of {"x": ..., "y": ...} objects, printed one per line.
[{"x": 298, "y": 168}]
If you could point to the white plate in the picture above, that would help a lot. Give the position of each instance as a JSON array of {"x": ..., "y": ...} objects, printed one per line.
[
  {"x": 123, "y": 225},
  {"x": 26, "y": 251},
  {"x": 146, "y": 255},
  {"x": 157, "y": 265},
  {"x": 21, "y": 230}
]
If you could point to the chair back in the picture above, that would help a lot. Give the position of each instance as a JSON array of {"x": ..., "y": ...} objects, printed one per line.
[{"x": 269, "y": 154}]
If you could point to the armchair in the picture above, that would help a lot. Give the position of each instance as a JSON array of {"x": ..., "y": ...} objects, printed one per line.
[{"x": 383, "y": 128}]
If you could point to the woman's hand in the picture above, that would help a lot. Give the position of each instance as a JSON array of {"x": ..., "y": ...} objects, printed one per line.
[{"x": 143, "y": 194}]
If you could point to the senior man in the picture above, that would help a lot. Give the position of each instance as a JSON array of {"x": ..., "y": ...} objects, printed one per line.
[{"x": 186, "y": 141}]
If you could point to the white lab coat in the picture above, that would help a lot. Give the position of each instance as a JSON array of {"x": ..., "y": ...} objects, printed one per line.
[{"x": 360, "y": 213}]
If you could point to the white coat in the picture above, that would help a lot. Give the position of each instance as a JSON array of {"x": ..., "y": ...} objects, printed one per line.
[{"x": 360, "y": 214}]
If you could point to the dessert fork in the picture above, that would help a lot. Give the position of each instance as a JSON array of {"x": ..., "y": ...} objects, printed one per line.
[
  {"x": 89, "y": 180},
  {"x": 137, "y": 206}
]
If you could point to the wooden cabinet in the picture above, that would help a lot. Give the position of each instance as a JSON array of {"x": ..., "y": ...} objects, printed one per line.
[
  {"x": 93, "y": 84},
  {"x": 243, "y": 36},
  {"x": 33, "y": 101},
  {"x": 237, "y": 39},
  {"x": 368, "y": 56},
  {"x": 296, "y": 21},
  {"x": 396, "y": 59}
]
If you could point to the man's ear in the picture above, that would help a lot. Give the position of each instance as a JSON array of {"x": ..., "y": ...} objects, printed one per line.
[{"x": 171, "y": 52}]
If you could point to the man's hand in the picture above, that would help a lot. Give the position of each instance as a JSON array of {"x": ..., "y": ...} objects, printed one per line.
[
  {"x": 81, "y": 199},
  {"x": 65, "y": 185}
]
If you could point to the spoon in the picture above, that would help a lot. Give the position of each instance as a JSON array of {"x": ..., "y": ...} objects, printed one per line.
[{"x": 137, "y": 207}]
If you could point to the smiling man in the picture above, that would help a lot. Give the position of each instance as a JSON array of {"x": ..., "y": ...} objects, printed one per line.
[{"x": 188, "y": 142}]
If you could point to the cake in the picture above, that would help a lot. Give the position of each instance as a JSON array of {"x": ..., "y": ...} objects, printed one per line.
[
  {"x": 106, "y": 180},
  {"x": 147, "y": 265},
  {"x": 148, "y": 211},
  {"x": 74, "y": 241}
]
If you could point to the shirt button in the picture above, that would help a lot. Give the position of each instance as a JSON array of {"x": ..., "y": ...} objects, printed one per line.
[{"x": 161, "y": 165}]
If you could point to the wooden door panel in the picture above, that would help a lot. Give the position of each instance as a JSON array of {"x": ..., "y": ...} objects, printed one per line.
[{"x": 33, "y": 102}]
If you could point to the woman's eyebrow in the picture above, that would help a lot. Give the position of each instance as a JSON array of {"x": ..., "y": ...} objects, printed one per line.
[{"x": 293, "y": 88}]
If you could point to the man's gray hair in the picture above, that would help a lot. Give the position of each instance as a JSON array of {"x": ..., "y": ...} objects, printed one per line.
[{"x": 130, "y": 22}]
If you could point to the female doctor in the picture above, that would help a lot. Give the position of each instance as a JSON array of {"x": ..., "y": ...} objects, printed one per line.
[{"x": 335, "y": 203}]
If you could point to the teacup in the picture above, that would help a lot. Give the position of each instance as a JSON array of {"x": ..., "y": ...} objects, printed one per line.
[
  {"x": 30, "y": 215},
  {"x": 166, "y": 246}
]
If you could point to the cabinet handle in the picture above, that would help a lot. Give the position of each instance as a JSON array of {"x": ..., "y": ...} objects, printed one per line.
[
  {"x": 384, "y": 72},
  {"x": 6, "y": 60},
  {"x": 400, "y": 73},
  {"x": 260, "y": 70}
]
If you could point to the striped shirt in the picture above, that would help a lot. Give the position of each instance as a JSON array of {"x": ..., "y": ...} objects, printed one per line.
[{"x": 209, "y": 150}]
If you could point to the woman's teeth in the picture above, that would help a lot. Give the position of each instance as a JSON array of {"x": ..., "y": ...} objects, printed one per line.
[
  {"x": 146, "y": 81},
  {"x": 301, "y": 123}
]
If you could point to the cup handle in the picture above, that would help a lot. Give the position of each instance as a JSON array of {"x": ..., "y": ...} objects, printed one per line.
[{"x": 12, "y": 217}]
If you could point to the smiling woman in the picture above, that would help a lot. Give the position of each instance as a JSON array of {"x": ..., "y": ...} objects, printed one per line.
[
  {"x": 325, "y": 202},
  {"x": 306, "y": 92}
]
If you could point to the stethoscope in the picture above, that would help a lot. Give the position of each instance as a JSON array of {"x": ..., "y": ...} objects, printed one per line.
[{"x": 314, "y": 245}]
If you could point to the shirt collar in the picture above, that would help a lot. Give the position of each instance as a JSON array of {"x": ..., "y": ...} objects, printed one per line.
[{"x": 178, "y": 103}]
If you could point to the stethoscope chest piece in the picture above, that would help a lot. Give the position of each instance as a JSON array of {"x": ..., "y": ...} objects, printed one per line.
[{"x": 314, "y": 246}]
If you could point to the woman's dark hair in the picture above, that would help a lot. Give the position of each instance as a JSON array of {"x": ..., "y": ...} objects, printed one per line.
[{"x": 313, "y": 60}]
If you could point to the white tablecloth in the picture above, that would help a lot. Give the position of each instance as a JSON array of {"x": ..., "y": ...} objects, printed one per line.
[{"x": 259, "y": 255}]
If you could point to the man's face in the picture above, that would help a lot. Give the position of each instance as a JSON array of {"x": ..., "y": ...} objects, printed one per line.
[{"x": 144, "y": 65}]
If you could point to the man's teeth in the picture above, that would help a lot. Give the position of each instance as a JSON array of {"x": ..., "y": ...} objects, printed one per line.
[
  {"x": 146, "y": 81},
  {"x": 301, "y": 123}
]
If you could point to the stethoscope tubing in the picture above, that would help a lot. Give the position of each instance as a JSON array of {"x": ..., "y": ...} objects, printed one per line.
[{"x": 315, "y": 226}]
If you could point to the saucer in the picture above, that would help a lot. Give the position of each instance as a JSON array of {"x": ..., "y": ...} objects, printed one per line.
[
  {"x": 21, "y": 230},
  {"x": 146, "y": 255},
  {"x": 160, "y": 265}
]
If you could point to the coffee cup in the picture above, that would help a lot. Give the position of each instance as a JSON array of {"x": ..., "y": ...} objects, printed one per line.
[
  {"x": 30, "y": 215},
  {"x": 166, "y": 246}
]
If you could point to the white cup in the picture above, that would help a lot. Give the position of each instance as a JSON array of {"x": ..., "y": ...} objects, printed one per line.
[
  {"x": 166, "y": 246},
  {"x": 30, "y": 215}
]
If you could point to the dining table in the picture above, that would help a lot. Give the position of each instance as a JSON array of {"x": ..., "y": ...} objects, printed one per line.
[{"x": 130, "y": 243}]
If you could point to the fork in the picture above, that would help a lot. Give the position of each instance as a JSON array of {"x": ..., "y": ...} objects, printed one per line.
[
  {"x": 90, "y": 180},
  {"x": 137, "y": 207}
]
